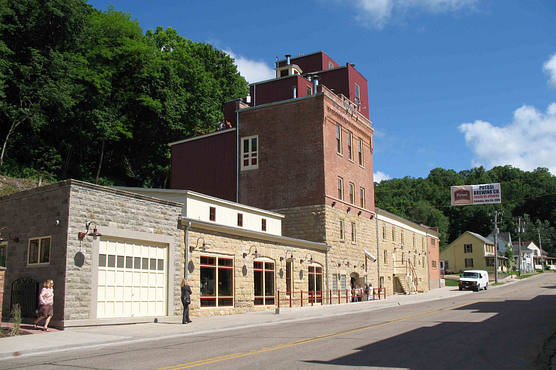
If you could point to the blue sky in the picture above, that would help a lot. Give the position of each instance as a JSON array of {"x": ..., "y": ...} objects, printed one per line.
[{"x": 452, "y": 83}]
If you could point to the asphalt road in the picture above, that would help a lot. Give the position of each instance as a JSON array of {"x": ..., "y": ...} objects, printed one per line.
[{"x": 503, "y": 328}]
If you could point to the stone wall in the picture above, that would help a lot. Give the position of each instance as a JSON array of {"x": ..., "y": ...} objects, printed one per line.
[
  {"x": 60, "y": 211},
  {"x": 229, "y": 245},
  {"x": 2, "y": 288},
  {"x": 39, "y": 212},
  {"x": 115, "y": 213},
  {"x": 347, "y": 255}
]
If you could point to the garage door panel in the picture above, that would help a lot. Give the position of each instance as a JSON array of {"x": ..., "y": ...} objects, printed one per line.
[{"x": 133, "y": 280}]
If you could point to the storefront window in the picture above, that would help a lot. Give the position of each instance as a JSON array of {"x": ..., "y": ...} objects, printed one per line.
[{"x": 217, "y": 269}]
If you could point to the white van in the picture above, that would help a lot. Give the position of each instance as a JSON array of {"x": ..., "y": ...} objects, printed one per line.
[{"x": 474, "y": 280}]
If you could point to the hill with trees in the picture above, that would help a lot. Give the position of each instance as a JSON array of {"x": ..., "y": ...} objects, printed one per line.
[
  {"x": 530, "y": 195},
  {"x": 86, "y": 94}
]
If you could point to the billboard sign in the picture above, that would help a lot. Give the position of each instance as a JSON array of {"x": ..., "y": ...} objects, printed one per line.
[{"x": 476, "y": 194}]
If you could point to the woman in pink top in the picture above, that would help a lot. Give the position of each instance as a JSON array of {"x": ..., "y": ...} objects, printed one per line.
[{"x": 46, "y": 301}]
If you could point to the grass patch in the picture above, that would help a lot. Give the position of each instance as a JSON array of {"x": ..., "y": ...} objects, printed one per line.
[{"x": 451, "y": 282}]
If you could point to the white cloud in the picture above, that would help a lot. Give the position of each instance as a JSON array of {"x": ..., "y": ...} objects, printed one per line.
[
  {"x": 252, "y": 70},
  {"x": 377, "y": 13},
  {"x": 549, "y": 67},
  {"x": 528, "y": 142},
  {"x": 379, "y": 176}
]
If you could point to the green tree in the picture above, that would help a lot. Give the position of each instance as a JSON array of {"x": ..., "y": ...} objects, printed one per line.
[{"x": 40, "y": 40}]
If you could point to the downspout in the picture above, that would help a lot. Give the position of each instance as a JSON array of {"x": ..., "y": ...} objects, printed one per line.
[
  {"x": 428, "y": 262},
  {"x": 327, "y": 273},
  {"x": 237, "y": 156},
  {"x": 378, "y": 249},
  {"x": 186, "y": 254}
]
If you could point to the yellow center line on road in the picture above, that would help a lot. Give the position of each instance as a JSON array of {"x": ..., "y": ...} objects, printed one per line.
[{"x": 321, "y": 337}]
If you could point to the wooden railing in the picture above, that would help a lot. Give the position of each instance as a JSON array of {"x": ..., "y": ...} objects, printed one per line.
[{"x": 302, "y": 298}]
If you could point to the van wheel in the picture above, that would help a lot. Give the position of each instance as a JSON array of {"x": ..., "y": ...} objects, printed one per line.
[
  {"x": 486, "y": 286},
  {"x": 478, "y": 288}
]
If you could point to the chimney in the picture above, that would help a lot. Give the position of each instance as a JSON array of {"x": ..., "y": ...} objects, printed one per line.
[
  {"x": 288, "y": 56},
  {"x": 315, "y": 83}
]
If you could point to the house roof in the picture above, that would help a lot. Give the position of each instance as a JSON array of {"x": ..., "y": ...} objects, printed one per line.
[
  {"x": 515, "y": 248},
  {"x": 478, "y": 236}
]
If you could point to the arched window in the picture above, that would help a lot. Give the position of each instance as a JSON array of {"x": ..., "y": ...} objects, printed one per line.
[{"x": 263, "y": 273}]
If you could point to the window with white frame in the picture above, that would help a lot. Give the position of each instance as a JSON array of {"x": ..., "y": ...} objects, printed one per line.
[
  {"x": 384, "y": 232},
  {"x": 352, "y": 193},
  {"x": 3, "y": 253},
  {"x": 362, "y": 197},
  {"x": 263, "y": 274},
  {"x": 340, "y": 188},
  {"x": 339, "y": 139},
  {"x": 360, "y": 152},
  {"x": 468, "y": 248},
  {"x": 335, "y": 278},
  {"x": 469, "y": 262},
  {"x": 353, "y": 232},
  {"x": 341, "y": 229},
  {"x": 343, "y": 285},
  {"x": 350, "y": 146},
  {"x": 330, "y": 65},
  {"x": 250, "y": 153},
  {"x": 39, "y": 251}
]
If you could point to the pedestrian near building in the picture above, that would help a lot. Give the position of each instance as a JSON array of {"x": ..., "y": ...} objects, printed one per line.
[
  {"x": 46, "y": 304},
  {"x": 185, "y": 300}
]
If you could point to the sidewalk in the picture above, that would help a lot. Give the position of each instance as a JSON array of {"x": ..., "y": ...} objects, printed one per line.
[{"x": 99, "y": 336}]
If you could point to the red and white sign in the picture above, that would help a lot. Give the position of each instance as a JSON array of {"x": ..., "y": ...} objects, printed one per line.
[{"x": 476, "y": 194}]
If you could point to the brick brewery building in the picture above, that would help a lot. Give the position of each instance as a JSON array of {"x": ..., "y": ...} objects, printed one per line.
[
  {"x": 280, "y": 199},
  {"x": 301, "y": 145}
]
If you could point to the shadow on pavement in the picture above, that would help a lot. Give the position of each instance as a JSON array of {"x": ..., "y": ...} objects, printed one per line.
[{"x": 504, "y": 335}]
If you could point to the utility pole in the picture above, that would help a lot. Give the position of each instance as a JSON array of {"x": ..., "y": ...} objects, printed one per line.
[
  {"x": 519, "y": 230},
  {"x": 540, "y": 246},
  {"x": 495, "y": 247}
]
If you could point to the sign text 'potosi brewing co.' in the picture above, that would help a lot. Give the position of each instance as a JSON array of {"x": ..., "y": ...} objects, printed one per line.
[{"x": 476, "y": 194}]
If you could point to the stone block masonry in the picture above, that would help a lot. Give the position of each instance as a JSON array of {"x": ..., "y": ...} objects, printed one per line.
[{"x": 2, "y": 288}]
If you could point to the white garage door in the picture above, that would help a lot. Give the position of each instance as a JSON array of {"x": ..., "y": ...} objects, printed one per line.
[{"x": 131, "y": 278}]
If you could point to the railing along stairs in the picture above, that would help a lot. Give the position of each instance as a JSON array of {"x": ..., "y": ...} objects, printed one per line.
[{"x": 405, "y": 272}]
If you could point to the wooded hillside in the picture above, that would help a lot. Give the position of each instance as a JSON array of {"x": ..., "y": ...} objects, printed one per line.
[
  {"x": 86, "y": 94},
  {"x": 531, "y": 195}
]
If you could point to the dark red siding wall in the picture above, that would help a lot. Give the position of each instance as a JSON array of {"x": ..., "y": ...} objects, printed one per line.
[
  {"x": 337, "y": 80},
  {"x": 312, "y": 62},
  {"x": 206, "y": 165},
  {"x": 291, "y": 167},
  {"x": 277, "y": 90},
  {"x": 357, "y": 78}
]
